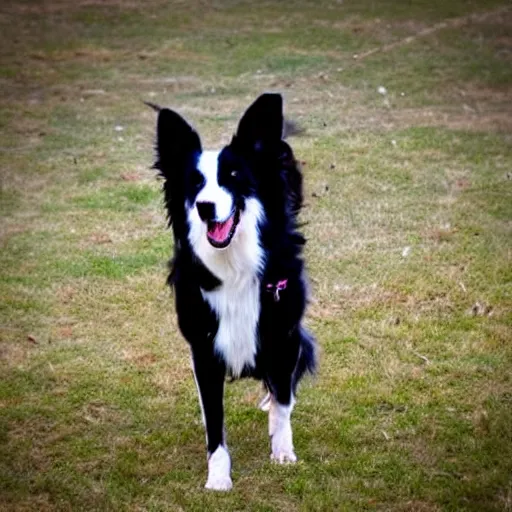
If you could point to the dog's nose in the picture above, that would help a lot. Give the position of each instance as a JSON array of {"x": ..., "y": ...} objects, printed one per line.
[{"x": 206, "y": 211}]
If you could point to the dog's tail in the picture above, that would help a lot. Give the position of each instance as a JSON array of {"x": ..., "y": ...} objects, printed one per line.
[{"x": 291, "y": 128}]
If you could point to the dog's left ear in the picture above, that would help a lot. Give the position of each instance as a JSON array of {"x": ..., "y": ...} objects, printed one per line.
[{"x": 262, "y": 123}]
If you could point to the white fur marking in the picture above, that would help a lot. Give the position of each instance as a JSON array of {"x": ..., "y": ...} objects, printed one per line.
[
  {"x": 238, "y": 311},
  {"x": 237, "y": 300},
  {"x": 264, "y": 404},
  {"x": 219, "y": 470},
  {"x": 208, "y": 165},
  {"x": 280, "y": 431}
]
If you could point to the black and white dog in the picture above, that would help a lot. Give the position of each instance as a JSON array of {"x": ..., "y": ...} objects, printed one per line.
[{"x": 237, "y": 270}]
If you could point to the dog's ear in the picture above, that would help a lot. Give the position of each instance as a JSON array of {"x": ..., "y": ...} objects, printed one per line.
[
  {"x": 262, "y": 123},
  {"x": 176, "y": 140}
]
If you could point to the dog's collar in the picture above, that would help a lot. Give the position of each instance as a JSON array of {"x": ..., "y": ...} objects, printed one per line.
[{"x": 276, "y": 288}]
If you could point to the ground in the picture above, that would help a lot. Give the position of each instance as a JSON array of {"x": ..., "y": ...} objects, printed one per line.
[{"x": 407, "y": 155}]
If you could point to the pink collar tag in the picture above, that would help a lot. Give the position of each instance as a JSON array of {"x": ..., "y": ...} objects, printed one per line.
[{"x": 275, "y": 289}]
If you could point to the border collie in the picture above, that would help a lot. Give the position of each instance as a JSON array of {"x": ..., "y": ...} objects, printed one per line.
[{"x": 237, "y": 270}]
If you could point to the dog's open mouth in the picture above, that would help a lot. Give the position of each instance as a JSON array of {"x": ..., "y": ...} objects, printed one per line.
[{"x": 220, "y": 234}]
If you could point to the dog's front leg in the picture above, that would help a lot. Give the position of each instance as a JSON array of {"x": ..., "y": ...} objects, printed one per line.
[{"x": 209, "y": 375}]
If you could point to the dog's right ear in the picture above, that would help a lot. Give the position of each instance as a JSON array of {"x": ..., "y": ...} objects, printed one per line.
[{"x": 176, "y": 140}]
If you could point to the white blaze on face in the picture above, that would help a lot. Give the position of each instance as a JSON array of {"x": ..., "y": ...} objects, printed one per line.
[{"x": 212, "y": 192}]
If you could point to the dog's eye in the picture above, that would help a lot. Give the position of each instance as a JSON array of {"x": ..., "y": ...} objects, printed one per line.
[
  {"x": 197, "y": 179},
  {"x": 234, "y": 174}
]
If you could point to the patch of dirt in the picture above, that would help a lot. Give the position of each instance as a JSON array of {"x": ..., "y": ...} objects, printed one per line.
[
  {"x": 39, "y": 502},
  {"x": 442, "y": 234},
  {"x": 503, "y": 42},
  {"x": 7, "y": 230},
  {"x": 462, "y": 184},
  {"x": 66, "y": 294},
  {"x": 140, "y": 359},
  {"x": 14, "y": 353},
  {"x": 475, "y": 94},
  {"x": 99, "y": 412},
  {"x": 100, "y": 238},
  {"x": 65, "y": 332},
  {"x": 131, "y": 176},
  {"x": 96, "y": 54}
]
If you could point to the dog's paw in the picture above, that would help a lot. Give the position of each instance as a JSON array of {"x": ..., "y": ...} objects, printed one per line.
[
  {"x": 284, "y": 457},
  {"x": 219, "y": 469},
  {"x": 219, "y": 483},
  {"x": 282, "y": 450}
]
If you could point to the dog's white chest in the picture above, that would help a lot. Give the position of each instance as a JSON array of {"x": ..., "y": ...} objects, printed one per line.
[{"x": 238, "y": 310}]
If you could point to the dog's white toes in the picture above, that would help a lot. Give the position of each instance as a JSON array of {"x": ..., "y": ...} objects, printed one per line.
[
  {"x": 282, "y": 449},
  {"x": 219, "y": 470},
  {"x": 219, "y": 483},
  {"x": 284, "y": 457}
]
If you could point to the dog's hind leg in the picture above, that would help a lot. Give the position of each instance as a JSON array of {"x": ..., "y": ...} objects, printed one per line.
[
  {"x": 280, "y": 431},
  {"x": 264, "y": 404},
  {"x": 281, "y": 384},
  {"x": 209, "y": 374},
  {"x": 285, "y": 372}
]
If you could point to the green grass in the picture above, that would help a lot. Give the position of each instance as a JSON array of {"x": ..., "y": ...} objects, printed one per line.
[{"x": 408, "y": 218}]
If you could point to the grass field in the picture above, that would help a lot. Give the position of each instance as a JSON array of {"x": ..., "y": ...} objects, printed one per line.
[{"x": 409, "y": 220}]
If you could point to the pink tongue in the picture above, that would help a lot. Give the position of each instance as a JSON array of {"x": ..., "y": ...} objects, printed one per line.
[{"x": 219, "y": 231}]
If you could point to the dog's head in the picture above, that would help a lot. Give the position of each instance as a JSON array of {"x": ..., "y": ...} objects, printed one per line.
[{"x": 214, "y": 193}]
